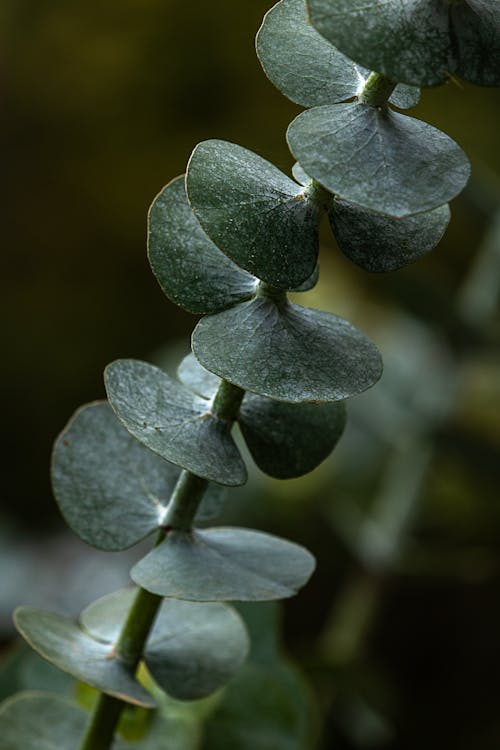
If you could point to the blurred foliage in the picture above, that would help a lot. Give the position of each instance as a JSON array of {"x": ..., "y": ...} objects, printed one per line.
[{"x": 398, "y": 632}]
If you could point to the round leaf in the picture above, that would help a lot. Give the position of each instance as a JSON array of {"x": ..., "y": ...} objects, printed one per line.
[
  {"x": 112, "y": 491},
  {"x": 307, "y": 68},
  {"x": 41, "y": 721},
  {"x": 420, "y": 42},
  {"x": 300, "y": 62},
  {"x": 288, "y": 440},
  {"x": 65, "y": 644},
  {"x": 380, "y": 243},
  {"x": 254, "y": 213},
  {"x": 287, "y": 352},
  {"x": 224, "y": 564},
  {"x": 201, "y": 381},
  {"x": 378, "y": 159},
  {"x": 190, "y": 269},
  {"x": 405, "y": 97},
  {"x": 166, "y": 417},
  {"x": 193, "y": 649}
]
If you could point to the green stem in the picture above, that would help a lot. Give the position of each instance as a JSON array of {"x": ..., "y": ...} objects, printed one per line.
[
  {"x": 101, "y": 728},
  {"x": 129, "y": 647},
  {"x": 377, "y": 90}
]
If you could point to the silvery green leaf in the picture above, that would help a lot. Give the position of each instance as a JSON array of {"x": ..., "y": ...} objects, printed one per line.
[
  {"x": 288, "y": 440},
  {"x": 299, "y": 174},
  {"x": 419, "y": 42},
  {"x": 65, "y": 644},
  {"x": 405, "y": 97},
  {"x": 307, "y": 68},
  {"x": 378, "y": 159},
  {"x": 380, "y": 243},
  {"x": 287, "y": 352},
  {"x": 254, "y": 213},
  {"x": 190, "y": 269},
  {"x": 40, "y": 721},
  {"x": 267, "y": 706},
  {"x": 309, "y": 283},
  {"x": 111, "y": 490},
  {"x": 201, "y": 381},
  {"x": 169, "y": 419},
  {"x": 193, "y": 649},
  {"x": 224, "y": 564}
]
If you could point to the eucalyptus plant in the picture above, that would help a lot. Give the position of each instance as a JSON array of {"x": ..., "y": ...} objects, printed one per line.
[{"x": 229, "y": 241}]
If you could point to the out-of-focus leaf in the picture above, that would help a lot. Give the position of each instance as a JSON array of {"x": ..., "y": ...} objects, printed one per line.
[
  {"x": 36, "y": 721},
  {"x": 63, "y": 643},
  {"x": 193, "y": 649},
  {"x": 266, "y": 708}
]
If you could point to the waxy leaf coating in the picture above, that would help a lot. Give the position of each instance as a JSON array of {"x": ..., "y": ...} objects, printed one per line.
[
  {"x": 111, "y": 489},
  {"x": 65, "y": 644},
  {"x": 191, "y": 270},
  {"x": 307, "y": 68},
  {"x": 224, "y": 564},
  {"x": 254, "y": 213},
  {"x": 193, "y": 649},
  {"x": 40, "y": 721},
  {"x": 420, "y": 42},
  {"x": 287, "y": 352},
  {"x": 378, "y": 159},
  {"x": 285, "y": 440},
  {"x": 170, "y": 420},
  {"x": 289, "y": 440},
  {"x": 380, "y": 243}
]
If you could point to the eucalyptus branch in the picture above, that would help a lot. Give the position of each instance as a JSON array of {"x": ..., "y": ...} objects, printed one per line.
[{"x": 228, "y": 241}]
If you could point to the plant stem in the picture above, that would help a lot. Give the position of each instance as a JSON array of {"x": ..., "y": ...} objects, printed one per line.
[
  {"x": 129, "y": 647},
  {"x": 227, "y": 400},
  {"x": 101, "y": 728},
  {"x": 377, "y": 90}
]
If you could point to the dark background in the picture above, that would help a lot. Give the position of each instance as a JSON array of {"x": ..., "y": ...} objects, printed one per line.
[{"x": 102, "y": 104}]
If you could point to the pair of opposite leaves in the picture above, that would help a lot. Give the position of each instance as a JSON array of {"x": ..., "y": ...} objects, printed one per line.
[
  {"x": 419, "y": 42},
  {"x": 370, "y": 156}
]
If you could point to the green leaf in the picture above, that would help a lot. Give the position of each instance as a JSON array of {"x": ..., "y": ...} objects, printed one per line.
[
  {"x": 285, "y": 440},
  {"x": 63, "y": 643},
  {"x": 380, "y": 243},
  {"x": 190, "y": 269},
  {"x": 166, "y": 417},
  {"x": 307, "y": 68},
  {"x": 420, "y": 42},
  {"x": 265, "y": 707},
  {"x": 254, "y": 213},
  {"x": 378, "y": 159},
  {"x": 201, "y": 381},
  {"x": 169, "y": 733},
  {"x": 40, "y": 721},
  {"x": 112, "y": 491},
  {"x": 224, "y": 564},
  {"x": 288, "y": 440},
  {"x": 193, "y": 649},
  {"x": 405, "y": 97},
  {"x": 287, "y": 352}
]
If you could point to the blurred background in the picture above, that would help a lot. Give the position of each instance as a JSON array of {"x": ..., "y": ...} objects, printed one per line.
[{"x": 398, "y": 634}]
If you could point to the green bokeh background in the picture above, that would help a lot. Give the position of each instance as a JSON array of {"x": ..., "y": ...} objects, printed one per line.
[{"x": 102, "y": 103}]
